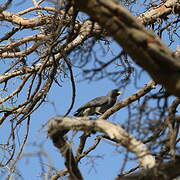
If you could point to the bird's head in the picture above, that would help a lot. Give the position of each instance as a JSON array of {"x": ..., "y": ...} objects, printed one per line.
[{"x": 114, "y": 93}]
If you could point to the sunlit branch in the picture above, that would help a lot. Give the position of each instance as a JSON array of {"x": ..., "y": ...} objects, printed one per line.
[{"x": 114, "y": 131}]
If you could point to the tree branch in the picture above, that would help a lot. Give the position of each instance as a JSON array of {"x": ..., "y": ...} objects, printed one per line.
[
  {"x": 160, "y": 11},
  {"x": 163, "y": 171},
  {"x": 145, "y": 48},
  {"x": 114, "y": 131},
  {"x": 137, "y": 95}
]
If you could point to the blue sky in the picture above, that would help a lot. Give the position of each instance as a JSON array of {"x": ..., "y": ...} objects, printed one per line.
[{"x": 61, "y": 97}]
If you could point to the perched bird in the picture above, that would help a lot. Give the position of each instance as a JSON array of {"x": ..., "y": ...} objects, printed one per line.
[{"x": 98, "y": 105}]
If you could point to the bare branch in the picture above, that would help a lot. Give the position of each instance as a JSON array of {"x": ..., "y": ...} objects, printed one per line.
[
  {"x": 67, "y": 153},
  {"x": 143, "y": 46},
  {"x": 164, "y": 171},
  {"x": 140, "y": 93},
  {"x": 160, "y": 11},
  {"x": 114, "y": 131}
]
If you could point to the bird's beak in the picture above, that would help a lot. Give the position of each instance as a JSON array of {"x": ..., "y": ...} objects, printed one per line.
[{"x": 119, "y": 92}]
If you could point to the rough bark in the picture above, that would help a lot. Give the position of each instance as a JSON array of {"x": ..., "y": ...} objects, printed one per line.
[
  {"x": 145, "y": 48},
  {"x": 114, "y": 131},
  {"x": 163, "y": 171}
]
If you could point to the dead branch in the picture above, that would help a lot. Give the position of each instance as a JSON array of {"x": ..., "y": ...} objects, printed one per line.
[{"x": 114, "y": 131}]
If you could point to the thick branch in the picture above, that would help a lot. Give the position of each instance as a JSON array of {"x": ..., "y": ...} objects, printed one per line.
[
  {"x": 164, "y": 171},
  {"x": 67, "y": 153},
  {"x": 143, "y": 46},
  {"x": 114, "y": 131},
  {"x": 65, "y": 149}
]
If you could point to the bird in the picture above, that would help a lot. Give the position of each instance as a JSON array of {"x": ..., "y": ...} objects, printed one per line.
[
  {"x": 96, "y": 106},
  {"x": 99, "y": 105}
]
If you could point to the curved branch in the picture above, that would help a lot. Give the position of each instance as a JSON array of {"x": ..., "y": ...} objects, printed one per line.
[
  {"x": 25, "y": 22},
  {"x": 164, "y": 171},
  {"x": 114, "y": 131},
  {"x": 73, "y": 85}
]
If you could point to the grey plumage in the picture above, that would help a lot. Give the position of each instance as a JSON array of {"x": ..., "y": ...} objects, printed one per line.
[{"x": 98, "y": 105}]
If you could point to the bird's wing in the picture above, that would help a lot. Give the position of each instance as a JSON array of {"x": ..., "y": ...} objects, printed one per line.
[{"x": 97, "y": 102}]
